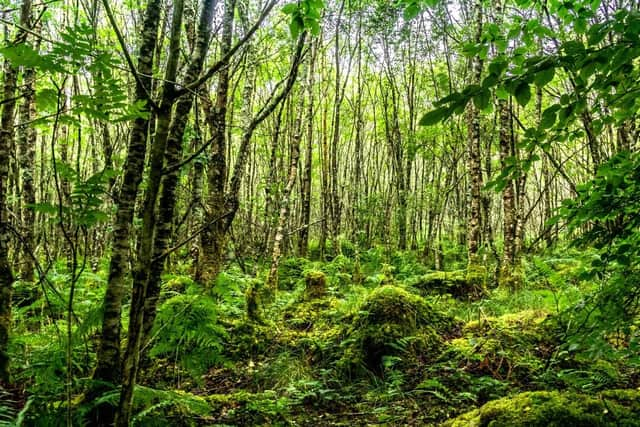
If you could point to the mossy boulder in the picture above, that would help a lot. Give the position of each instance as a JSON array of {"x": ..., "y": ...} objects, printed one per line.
[
  {"x": 553, "y": 408},
  {"x": 304, "y": 314},
  {"x": 512, "y": 347},
  {"x": 464, "y": 284},
  {"x": 393, "y": 322},
  {"x": 248, "y": 340},
  {"x": 291, "y": 271},
  {"x": 450, "y": 282},
  {"x": 315, "y": 285}
]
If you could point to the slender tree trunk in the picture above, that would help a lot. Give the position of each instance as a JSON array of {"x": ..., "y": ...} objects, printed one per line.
[
  {"x": 157, "y": 228},
  {"x": 108, "y": 355},
  {"x": 232, "y": 201},
  {"x": 6, "y": 141},
  {"x": 27, "y": 156},
  {"x": 303, "y": 241},
  {"x": 212, "y": 242},
  {"x": 272, "y": 279},
  {"x": 508, "y": 195},
  {"x": 474, "y": 228}
]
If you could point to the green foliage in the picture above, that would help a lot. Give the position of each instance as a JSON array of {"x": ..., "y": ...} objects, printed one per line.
[
  {"x": 609, "y": 206},
  {"x": 85, "y": 203},
  {"x": 187, "y": 332},
  {"x": 158, "y": 407},
  {"x": 245, "y": 408},
  {"x": 305, "y": 15}
]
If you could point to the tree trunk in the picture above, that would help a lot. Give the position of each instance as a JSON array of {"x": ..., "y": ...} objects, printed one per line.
[
  {"x": 473, "y": 157},
  {"x": 212, "y": 241},
  {"x": 27, "y": 155},
  {"x": 508, "y": 195},
  {"x": 108, "y": 355},
  {"x": 303, "y": 236},
  {"x": 6, "y": 141}
]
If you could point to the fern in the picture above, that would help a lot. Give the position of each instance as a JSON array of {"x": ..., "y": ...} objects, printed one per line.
[
  {"x": 187, "y": 331},
  {"x": 157, "y": 407}
]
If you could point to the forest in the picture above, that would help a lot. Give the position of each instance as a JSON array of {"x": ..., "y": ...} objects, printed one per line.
[{"x": 320, "y": 213}]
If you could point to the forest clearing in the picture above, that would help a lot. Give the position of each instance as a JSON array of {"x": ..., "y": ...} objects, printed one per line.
[{"x": 320, "y": 213}]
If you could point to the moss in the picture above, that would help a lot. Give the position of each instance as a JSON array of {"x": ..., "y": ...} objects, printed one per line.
[
  {"x": 177, "y": 284},
  {"x": 248, "y": 340},
  {"x": 511, "y": 347},
  {"x": 511, "y": 278},
  {"x": 245, "y": 408},
  {"x": 451, "y": 282},
  {"x": 392, "y": 322},
  {"x": 553, "y": 408},
  {"x": 476, "y": 280},
  {"x": 253, "y": 297},
  {"x": 466, "y": 284},
  {"x": 290, "y": 271},
  {"x": 304, "y": 314},
  {"x": 315, "y": 285}
]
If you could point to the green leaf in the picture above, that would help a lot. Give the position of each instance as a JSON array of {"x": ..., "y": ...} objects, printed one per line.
[
  {"x": 502, "y": 93},
  {"x": 411, "y": 11},
  {"x": 435, "y": 116},
  {"x": 543, "y": 77},
  {"x": 548, "y": 118},
  {"x": 290, "y": 8},
  {"x": 523, "y": 93},
  {"x": 296, "y": 26},
  {"x": 481, "y": 99}
]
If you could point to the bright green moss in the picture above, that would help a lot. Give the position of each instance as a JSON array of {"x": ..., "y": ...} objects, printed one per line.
[
  {"x": 315, "y": 285},
  {"x": 553, "y": 408},
  {"x": 510, "y": 347},
  {"x": 392, "y": 322},
  {"x": 467, "y": 284}
]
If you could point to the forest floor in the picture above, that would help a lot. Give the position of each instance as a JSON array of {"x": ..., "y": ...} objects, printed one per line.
[{"x": 368, "y": 338}]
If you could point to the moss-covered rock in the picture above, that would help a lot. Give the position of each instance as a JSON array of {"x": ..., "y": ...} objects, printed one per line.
[
  {"x": 248, "y": 340},
  {"x": 392, "y": 322},
  {"x": 512, "y": 347},
  {"x": 465, "y": 284},
  {"x": 553, "y": 408},
  {"x": 306, "y": 313},
  {"x": 450, "y": 282},
  {"x": 291, "y": 271},
  {"x": 315, "y": 284}
]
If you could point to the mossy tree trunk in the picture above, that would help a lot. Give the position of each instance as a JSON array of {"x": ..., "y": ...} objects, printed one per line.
[{"x": 213, "y": 238}]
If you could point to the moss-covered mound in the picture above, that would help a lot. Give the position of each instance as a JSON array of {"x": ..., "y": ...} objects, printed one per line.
[
  {"x": 552, "y": 408},
  {"x": 315, "y": 284},
  {"x": 459, "y": 284},
  {"x": 512, "y": 347},
  {"x": 393, "y": 322}
]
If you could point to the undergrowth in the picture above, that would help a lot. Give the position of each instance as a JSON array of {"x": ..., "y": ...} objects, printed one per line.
[{"x": 376, "y": 342}]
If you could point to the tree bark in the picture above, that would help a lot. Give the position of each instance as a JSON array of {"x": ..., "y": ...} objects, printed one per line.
[
  {"x": 6, "y": 141},
  {"x": 474, "y": 228},
  {"x": 108, "y": 355}
]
